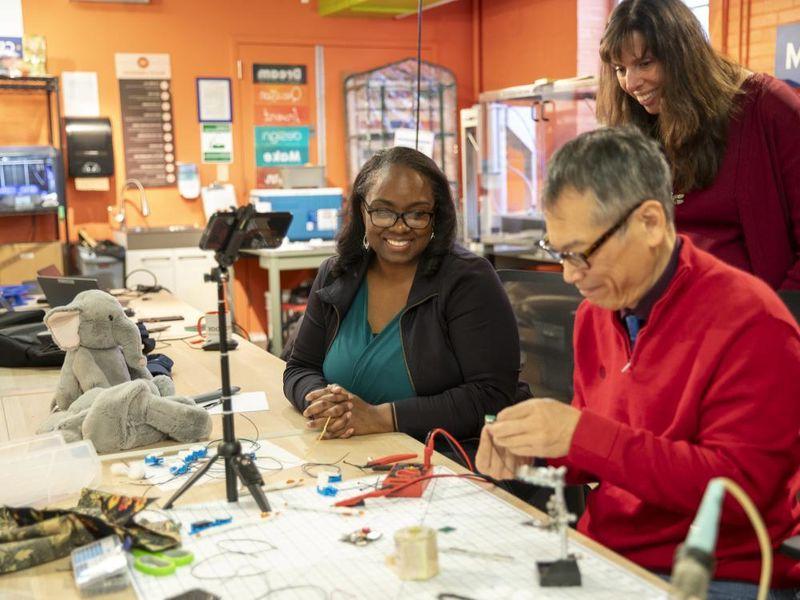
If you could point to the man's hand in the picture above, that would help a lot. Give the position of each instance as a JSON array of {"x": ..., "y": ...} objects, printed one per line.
[
  {"x": 494, "y": 461},
  {"x": 539, "y": 427}
]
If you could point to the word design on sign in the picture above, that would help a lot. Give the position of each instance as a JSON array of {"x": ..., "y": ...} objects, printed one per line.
[{"x": 281, "y": 146}]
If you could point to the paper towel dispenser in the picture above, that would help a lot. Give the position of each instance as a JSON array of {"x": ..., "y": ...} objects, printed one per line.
[{"x": 90, "y": 152}]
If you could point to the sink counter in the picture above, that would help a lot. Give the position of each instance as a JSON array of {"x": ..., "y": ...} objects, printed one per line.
[{"x": 146, "y": 238}]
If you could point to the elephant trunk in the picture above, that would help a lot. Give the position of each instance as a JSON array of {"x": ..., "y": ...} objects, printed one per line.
[{"x": 126, "y": 335}]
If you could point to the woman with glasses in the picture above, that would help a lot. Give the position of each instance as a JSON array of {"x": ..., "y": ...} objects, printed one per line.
[
  {"x": 732, "y": 137},
  {"x": 404, "y": 330}
]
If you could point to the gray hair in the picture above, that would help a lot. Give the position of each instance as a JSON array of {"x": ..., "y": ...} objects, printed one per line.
[{"x": 620, "y": 166}]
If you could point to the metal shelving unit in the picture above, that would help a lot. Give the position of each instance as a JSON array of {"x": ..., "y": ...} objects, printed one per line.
[{"x": 50, "y": 87}]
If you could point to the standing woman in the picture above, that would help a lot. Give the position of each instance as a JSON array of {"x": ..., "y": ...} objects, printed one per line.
[
  {"x": 404, "y": 331},
  {"x": 732, "y": 137}
]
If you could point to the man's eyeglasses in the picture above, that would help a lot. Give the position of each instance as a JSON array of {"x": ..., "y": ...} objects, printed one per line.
[
  {"x": 385, "y": 217},
  {"x": 580, "y": 260}
]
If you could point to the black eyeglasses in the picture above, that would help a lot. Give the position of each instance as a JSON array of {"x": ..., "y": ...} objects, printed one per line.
[
  {"x": 580, "y": 260},
  {"x": 385, "y": 217}
]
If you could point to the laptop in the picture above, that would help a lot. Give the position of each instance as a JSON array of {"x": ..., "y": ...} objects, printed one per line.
[{"x": 60, "y": 291}]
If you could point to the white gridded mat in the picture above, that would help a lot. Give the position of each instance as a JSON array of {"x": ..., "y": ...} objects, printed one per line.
[{"x": 298, "y": 553}]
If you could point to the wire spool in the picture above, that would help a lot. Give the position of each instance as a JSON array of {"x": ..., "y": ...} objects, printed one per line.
[{"x": 416, "y": 556}]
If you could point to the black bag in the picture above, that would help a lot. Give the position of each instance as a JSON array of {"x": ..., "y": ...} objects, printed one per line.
[{"x": 20, "y": 346}]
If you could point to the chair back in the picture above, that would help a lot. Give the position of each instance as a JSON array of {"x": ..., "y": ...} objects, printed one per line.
[
  {"x": 791, "y": 298},
  {"x": 545, "y": 307}
]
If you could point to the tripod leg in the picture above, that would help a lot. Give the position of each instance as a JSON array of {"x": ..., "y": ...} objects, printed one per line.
[
  {"x": 251, "y": 478},
  {"x": 189, "y": 482}
]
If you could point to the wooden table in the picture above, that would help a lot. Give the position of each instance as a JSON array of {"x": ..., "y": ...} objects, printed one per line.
[
  {"x": 26, "y": 393},
  {"x": 54, "y": 580},
  {"x": 197, "y": 371}
]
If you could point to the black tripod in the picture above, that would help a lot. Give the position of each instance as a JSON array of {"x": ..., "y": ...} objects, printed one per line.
[{"x": 236, "y": 463}]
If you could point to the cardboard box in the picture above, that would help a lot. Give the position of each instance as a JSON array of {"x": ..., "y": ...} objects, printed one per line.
[{"x": 19, "y": 262}]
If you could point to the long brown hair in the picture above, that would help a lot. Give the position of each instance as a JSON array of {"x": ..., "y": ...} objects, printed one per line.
[{"x": 699, "y": 92}]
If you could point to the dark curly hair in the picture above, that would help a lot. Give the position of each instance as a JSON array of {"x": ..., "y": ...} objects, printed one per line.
[{"x": 349, "y": 245}]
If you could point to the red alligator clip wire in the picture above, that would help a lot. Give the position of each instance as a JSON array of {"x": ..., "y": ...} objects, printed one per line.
[{"x": 388, "y": 460}]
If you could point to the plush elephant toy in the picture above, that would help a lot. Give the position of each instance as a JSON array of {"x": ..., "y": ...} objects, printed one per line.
[{"x": 105, "y": 392}]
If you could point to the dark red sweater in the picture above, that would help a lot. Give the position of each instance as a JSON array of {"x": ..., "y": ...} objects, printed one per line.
[
  {"x": 711, "y": 389},
  {"x": 750, "y": 215}
]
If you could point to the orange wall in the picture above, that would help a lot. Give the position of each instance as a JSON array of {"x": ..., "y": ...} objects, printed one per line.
[
  {"x": 745, "y": 30},
  {"x": 523, "y": 40},
  {"x": 487, "y": 43},
  {"x": 201, "y": 37}
]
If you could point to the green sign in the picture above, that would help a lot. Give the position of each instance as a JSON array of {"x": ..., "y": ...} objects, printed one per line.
[
  {"x": 216, "y": 142},
  {"x": 277, "y": 146}
]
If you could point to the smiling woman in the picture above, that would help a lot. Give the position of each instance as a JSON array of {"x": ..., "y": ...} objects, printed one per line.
[
  {"x": 404, "y": 330},
  {"x": 730, "y": 135}
]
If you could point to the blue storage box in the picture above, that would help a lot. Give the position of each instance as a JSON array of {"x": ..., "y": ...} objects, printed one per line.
[
  {"x": 316, "y": 211},
  {"x": 16, "y": 295}
]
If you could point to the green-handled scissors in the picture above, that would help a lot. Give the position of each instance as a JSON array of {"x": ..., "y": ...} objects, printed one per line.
[{"x": 161, "y": 563}]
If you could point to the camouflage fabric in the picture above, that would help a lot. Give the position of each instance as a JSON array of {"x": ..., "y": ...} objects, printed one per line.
[{"x": 30, "y": 537}]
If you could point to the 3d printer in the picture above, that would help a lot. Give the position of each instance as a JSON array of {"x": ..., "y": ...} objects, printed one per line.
[{"x": 31, "y": 179}]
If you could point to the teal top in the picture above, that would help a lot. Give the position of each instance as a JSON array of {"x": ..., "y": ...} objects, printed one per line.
[{"x": 369, "y": 365}]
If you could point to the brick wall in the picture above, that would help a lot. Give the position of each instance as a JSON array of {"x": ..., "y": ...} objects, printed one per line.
[
  {"x": 592, "y": 17},
  {"x": 745, "y": 30}
]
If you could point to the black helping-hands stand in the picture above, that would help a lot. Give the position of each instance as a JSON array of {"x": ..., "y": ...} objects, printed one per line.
[{"x": 226, "y": 233}]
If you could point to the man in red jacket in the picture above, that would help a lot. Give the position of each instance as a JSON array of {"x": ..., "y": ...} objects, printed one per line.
[{"x": 686, "y": 369}]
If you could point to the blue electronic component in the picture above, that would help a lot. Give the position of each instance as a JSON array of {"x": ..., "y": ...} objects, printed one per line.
[
  {"x": 199, "y": 452},
  {"x": 199, "y": 526},
  {"x": 154, "y": 460},
  {"x": 328, "y": 490},
  {"x": 179, "y": 468}
]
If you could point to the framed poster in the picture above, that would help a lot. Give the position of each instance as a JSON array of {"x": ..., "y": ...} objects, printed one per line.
[{"x": 214, "y": 100}]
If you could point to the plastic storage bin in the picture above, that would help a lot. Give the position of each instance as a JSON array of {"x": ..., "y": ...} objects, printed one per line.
[
  {"x": 315, "y": 212},
  {"x": 43, "y": 469}
]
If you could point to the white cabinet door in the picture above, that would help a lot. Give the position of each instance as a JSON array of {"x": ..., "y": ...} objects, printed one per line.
[
  {"x": 191, "y": 264},
  {"x": 159, "y": 262}
]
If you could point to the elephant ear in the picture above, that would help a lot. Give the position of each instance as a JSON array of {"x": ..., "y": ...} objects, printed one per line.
[{"x": 63, "y": 325}]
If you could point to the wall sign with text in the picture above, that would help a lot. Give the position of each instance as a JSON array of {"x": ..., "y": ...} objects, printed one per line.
[
  {"x": 271, "y": 73},
  {"x": 282, "y": 119},
  {"x": 147, "y": 125},
  {"x": 278, "y": 146},
  {"x": 787, "y": 54}
]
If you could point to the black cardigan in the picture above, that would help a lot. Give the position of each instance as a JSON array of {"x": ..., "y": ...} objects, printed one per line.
[{"x": 459, "y": 336}]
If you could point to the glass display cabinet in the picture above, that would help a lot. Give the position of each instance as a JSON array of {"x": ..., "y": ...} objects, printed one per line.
[
  {"x": 518, "y": 130},
  {"x": 381, "y": 101}
]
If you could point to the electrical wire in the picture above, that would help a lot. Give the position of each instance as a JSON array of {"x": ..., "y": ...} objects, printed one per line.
[
  {"x": 306, "y": 467},
  {"x": 389, "y": 492},
  {"x": 149, "y": 272},
  {"x": 429, "y": 440},
  {"x": 323, "y": 594},
  {"x": 735, "y": 490}
]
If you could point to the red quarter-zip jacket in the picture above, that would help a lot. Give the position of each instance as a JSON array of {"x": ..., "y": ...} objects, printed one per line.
[{"x": 711, "y": 389}]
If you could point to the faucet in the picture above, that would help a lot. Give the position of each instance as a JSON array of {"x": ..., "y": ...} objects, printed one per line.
[{"x": 119, "y": 216}]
